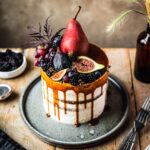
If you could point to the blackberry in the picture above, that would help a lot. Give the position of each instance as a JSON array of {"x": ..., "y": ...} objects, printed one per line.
[
  {"x": 74, "y": 81},
  {"x": 49, "y": 73},
  {"x": 73, "y": 57},
  {"x": 42, "y": 63},
  {"x": 81, "y": 82},
  {"x": 83, "y": 77},
  {"x": 91, "y": 77},
  {"x": 49, "y": 64},
  {"x": 44, "y": 68}
]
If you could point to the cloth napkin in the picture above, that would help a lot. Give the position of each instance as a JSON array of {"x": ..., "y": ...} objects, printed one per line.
[{"x": 6, "y": 143}]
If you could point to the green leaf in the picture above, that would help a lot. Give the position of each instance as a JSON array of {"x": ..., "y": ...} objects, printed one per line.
[{"x": 120, "y": 19}]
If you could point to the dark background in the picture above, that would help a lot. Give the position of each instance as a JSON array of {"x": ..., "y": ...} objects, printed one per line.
[{"x": 16, "y": 15}]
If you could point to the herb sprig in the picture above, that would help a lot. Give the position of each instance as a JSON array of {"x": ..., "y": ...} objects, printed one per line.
[{"x": 43, "y": 34}]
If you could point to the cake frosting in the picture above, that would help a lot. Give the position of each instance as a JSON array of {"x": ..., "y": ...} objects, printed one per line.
[{"x": 66, "y": 110}]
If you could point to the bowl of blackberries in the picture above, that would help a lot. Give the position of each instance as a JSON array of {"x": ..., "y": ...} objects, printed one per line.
[{"x": 12, "y": 64}]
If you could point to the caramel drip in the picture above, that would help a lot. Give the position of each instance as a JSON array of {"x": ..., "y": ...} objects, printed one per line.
[
  {"x": 92, "y": 106},
  {"x": 84, "y": 100},
  {"x": 101, "y": 90},
  {"x": 65, "y": 107},
  {"x": 56, "y": 103},
  {"x": 47, "y": 98},
  {"x": 77, "y": 110}
]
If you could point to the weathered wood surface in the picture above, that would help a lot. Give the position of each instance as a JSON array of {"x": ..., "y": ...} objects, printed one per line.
[{"x": 121, "y": 61}]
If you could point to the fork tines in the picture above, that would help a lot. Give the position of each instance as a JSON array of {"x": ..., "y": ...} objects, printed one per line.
[
  {"x": 144, "y": 111},
  {"x": 146, "y": 105}
]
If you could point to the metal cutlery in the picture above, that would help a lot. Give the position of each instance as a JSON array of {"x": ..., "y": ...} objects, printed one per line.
[{"x": 139, "y": 123}]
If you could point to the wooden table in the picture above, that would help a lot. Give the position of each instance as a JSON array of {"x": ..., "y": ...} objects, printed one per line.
[{"x": 122, "y": 62}]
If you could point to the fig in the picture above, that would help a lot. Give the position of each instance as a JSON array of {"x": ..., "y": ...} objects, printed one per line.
[
  {"x": 61, "y": 61},
  {"x": 59, "y": 75},
  {"x": 87, "y": 65}
]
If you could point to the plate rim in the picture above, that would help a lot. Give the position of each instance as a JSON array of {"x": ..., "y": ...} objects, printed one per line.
[{"x": 82, "y": 144}]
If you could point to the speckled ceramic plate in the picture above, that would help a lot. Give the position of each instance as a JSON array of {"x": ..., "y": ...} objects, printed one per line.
[{"x": 68, "y": 136}]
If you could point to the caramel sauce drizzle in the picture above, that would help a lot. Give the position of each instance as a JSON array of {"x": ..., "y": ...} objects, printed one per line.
[
  {"x": 102, "y": 90},
  {"x": 47, "y": 98},
  {"x": 84, "y": 100},
  {"x": 56, "y": 103},
  {"x": 65, "y": 107},
  {"x": 77, "y": 110}
]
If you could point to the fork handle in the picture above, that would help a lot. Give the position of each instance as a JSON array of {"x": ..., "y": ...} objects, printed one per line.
[{"x": 129, "y": 141}]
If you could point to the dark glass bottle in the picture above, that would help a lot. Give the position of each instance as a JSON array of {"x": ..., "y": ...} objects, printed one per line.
[{"x": 142, "y": 59}]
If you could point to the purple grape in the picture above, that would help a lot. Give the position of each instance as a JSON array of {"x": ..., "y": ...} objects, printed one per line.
[
  {"x": 66, "y": 79},
  {"x": 56, "y": 41},
  {"x": 47, "y": 56},
  {"x": 52, "y": 53},
  {"x": 72, "y": 73},
  {"x": 52, "y": 49}
]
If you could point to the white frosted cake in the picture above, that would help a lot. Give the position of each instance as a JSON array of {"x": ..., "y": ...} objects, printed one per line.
[
  {"x": 66, "y": 110},
  {"x": 76, "y": 104}
]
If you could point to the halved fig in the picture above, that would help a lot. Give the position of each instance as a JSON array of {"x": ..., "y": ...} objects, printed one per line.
[
  {"x": 87, "y": 65},
  {"x": 59, "y": 75}
]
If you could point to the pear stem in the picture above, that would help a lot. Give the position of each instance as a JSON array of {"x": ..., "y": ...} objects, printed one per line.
[{"x": 77, "y": 12}]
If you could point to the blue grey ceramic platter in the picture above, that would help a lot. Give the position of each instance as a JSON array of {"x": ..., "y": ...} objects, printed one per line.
[{"x": 69, "y": 136}]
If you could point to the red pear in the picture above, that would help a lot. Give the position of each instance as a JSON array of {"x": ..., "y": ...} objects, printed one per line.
[{"x": 74, "y": 39}]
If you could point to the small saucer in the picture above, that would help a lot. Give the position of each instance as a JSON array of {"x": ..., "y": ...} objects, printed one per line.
[
  {"x": 14, "y": 73},
  {"x": 5, "y": 91}
]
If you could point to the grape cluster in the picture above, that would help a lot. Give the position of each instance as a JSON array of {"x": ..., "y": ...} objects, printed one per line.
[{"x": 49, "y": 58}]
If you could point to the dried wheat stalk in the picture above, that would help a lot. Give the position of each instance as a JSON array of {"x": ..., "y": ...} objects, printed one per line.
[{"x": 147, "y": 3}]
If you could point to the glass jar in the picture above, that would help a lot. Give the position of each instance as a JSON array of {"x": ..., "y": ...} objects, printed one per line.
[{"x": 142, "y": 59}]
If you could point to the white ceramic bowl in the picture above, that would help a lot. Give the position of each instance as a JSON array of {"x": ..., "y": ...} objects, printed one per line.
[
  {"x": 14, "y": 73},
  {"x": 4, "y": 96}
]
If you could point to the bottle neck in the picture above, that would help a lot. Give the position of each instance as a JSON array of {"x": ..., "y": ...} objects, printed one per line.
[{"x": 148, "y": 28}]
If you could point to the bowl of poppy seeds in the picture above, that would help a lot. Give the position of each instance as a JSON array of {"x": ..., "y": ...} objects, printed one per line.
[
  {"x": 12, "y": 64},
  {"x": 5, "y": 91}
]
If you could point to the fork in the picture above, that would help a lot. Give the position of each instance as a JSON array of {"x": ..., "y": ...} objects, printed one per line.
[{"x": 139, "y": 123}]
